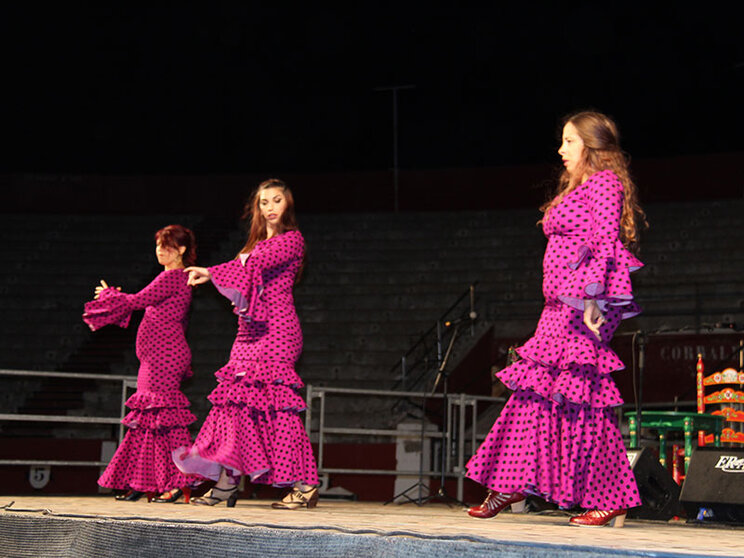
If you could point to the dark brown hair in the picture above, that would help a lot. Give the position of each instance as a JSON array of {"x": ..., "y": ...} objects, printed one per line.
[{"x": 252, "y": 211}]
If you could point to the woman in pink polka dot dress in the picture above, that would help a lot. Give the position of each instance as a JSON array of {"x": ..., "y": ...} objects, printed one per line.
[
  {"x": 159, "y": 417},
  {"x": 254, "y": 427},
  {"x": 557, "y": 437}
]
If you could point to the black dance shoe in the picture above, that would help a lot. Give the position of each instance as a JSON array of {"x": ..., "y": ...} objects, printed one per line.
[{"x": 130, "y": 496}]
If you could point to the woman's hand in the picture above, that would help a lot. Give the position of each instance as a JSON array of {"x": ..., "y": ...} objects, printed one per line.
[
  {"x": 593, "y": 318},
  {"x": 197, "y": 275},
  {"x": 100, "y": 288}
]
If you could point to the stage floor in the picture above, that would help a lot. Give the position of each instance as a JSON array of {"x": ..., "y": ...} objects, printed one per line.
[{"x": 540, "y": 533}]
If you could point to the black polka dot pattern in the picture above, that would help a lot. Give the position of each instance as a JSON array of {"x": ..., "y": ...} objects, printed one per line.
[
  {"x": 159, "y": 417},
  {"x": 558, "y": 437},
  {"x": 254, "y": 427}
]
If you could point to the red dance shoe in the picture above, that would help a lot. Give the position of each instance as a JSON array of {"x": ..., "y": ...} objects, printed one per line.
[
  {"x": 174, "y": 495},
  {"x": 495, "y": 503},
  {"x": 599, "y": 518}
]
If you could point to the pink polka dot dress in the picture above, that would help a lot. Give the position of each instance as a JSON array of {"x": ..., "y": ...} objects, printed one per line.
[
  {"x": 254, "y": 427},
  {"x": 159, "y": 417},
  {"x": 557, "y": 437}
]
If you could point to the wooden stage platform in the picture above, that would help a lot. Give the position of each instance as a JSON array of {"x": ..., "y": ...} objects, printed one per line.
[{"x": 99, "y": 526}]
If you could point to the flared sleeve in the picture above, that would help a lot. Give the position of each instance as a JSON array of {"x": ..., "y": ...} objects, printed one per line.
[
  {"x": 243, "y": 280},
  {"x": 113, "y": 307},
  {"x": 603, "y": 264}
]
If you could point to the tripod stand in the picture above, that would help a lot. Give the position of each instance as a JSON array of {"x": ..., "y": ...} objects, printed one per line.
[
  {"x": 442, "y": 377},
  {"x": 441, "y": 493},
  {"x": 420, "y": 485}
]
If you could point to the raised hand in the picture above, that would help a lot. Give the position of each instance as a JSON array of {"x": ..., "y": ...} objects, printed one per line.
[
  {"x": 197, "y": 275},
  {"x": 101, "y": 287}
]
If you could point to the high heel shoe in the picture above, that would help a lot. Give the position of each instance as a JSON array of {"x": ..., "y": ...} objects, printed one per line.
[
  {"x": 599, "y": 518},
  {"x": 217, "y": 495},
  {"x": 129, "y": 496},
  {"x": 495, "y": 503},
  {"x": 298, "y": 499},
  {"x": 134, "y": 495},
  {"x": 173, "y": 496}
]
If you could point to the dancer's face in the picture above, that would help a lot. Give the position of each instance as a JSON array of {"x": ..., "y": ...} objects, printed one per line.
[
  {"x": 272, "y": 204},
  {"x": 168, "y": 256},
  {"x": 572, "y": 148}
]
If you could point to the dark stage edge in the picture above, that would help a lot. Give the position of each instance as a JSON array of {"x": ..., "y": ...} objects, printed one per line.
[{"x": 97, "y": 527}]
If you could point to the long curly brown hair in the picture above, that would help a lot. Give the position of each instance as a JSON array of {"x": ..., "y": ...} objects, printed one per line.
[
  {"x": 602, "y": 152},
  {"x": 252, "y": 211}
]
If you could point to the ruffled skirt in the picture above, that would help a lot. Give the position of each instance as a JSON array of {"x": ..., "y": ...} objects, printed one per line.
[
  {"x": 158, "y": 424},
  {"x": 254, "y": 427},
  {"x": 558, "y": 437}
]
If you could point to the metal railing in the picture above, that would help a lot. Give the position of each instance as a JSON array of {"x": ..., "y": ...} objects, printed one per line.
[
  {"x": 127, "y": 382},
  {"x": 427, "y": 352},
  {"x": 461, "y": 438},
  {"x": 454, "y": 437}
]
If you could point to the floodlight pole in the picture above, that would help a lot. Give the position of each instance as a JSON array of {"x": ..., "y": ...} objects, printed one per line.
[{"x": 394, "y": 90}]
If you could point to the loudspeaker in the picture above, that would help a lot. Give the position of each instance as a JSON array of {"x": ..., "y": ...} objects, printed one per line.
[
  {"x": 659, "y": 493},
  {"x": 715, "y": 480}
]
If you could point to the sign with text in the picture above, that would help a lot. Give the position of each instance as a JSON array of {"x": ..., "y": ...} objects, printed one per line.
[{"x": 670, "y": 362}]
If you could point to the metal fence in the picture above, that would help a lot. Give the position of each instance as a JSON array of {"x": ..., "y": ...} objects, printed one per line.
[
  {"x": 127, "y": 382},
  {"x": 460, "y": 438},
  {"x": 458, "y": 443}
]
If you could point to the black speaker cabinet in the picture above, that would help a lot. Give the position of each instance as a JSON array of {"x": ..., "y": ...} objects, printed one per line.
[
  {"x": 715, "y": 480},
  {"x": 659, "y": 492}
]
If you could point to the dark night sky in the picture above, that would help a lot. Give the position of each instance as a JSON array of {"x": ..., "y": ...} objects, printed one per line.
[{"x": 241, "y": 88}]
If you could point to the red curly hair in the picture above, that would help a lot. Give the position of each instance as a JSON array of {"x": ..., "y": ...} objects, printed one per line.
[{"x": 175, "y": 236}]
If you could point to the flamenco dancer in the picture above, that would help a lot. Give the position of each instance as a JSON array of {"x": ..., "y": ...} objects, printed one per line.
[
  {"x": 557, "y": 437},
  {"x": 254, "y": 427},
  {"x": 159, "y": 417}
]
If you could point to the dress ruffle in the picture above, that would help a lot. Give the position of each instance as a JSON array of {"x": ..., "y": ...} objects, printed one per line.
[
  {"x": 111, "y": 307},
  {"x": 562, "y": 453},
  {"x": 279, "y": 451},
  {"x": 143, "y": 461},
  {"x": 265, "y": 386},
  {"x": 265, "y": 372},
  {"x": 576, "y": 370},
  {"x": 156, "y": 410},
  {"x": 157, "y": 419},
  {"x": 244, "y": 288},
  {"x": 145, "y": 400},
  {"x": 602, "y": 272}
]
